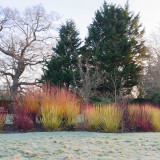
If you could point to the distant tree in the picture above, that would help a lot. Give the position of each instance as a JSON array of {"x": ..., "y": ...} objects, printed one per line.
[
  {"x": 115, "y": 38},
  {"x": 23, "y": 38},
  {"x": 62, "y": 67},
  {"x": 88, "y": 81},
  {"x": 150, "y": 79},
  {"x": 5, "y": 15}
]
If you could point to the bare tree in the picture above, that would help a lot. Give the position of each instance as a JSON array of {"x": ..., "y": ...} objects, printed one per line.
[
  {"x": 117, "y": 83},
  {"x": 90, "y": 79},
  {"x": 150, "y": 80},
  {"x": 23, "y": 42},
  {"x": 5, "y": 15}
]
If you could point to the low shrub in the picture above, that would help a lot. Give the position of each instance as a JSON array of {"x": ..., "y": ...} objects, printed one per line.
[
  {"x": 140, "y": 118},
  {"x": 51, "y": 117},
  {"x": 110, "y": 116},
  {"x": 31, "y": 101},
  {"x": 8, "y": 104},
  {"x": 93, "y": 117},
  {"x": 71, "y": 109},
  {"x": 62, "y": 104},
  {"x": 106, "y": 117},
  {"x": 155, "y": 121},
  {"x": 22, "y": 118},
  {"x": 3, "y": 114},
  {"x": 155, "y": 116}
]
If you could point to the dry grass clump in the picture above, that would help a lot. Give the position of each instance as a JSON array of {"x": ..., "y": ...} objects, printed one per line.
[
  {"x": 93, "y": 117},
  {"x": 110, "y": 117},
  {"x": 106, "y": 117},
  {"x": 59, "y": 108},
  {"x": 51, "y": 118},
  {"x": 155, "y": 116}
]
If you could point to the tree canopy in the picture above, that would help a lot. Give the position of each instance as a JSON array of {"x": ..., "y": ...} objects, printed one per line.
[
  {"x": 115, "y": 38},
  {"x": 61, "y": 69},
  {"x": 23, "y": 39}
]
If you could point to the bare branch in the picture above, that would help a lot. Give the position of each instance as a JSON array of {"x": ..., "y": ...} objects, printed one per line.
[
  {"x": 23, "y": 42},
  {"x": 27, "y": 83},
  {"x": 6, "y": 73},
  {"x": 89, "y": 80}
]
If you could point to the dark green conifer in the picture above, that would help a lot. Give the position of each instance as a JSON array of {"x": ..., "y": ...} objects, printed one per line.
[
  {"x": 115, "y": 38},
  {"x": 61, "y": 69}
]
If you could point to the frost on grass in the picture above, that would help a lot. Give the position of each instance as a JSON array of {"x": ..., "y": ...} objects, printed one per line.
[{"x": 79, "y": 145}]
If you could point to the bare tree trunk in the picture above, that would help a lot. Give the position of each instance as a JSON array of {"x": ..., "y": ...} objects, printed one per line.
[
  {"x": 85, "y": 105},
  {"x": 14, "y": 89},
  {"x": 115, "y": 95},
  {"x": 19, "y": 71}
]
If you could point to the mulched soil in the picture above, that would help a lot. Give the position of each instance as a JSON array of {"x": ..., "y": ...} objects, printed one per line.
[{"x": 10, "y": 128}]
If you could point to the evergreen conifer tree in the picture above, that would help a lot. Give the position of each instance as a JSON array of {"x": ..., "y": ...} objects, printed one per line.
[
  {"x": 115, "y": 38},
  {"x": 61, "y": 69}
]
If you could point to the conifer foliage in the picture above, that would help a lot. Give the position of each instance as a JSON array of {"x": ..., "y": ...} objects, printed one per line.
[
  {"x": 61, "y": 69},
  {"x": 115, "y": 38}
]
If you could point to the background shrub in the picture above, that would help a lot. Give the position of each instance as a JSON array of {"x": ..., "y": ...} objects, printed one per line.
[
  {"x": 7, "y": 104},
  {"x": 3, "y": 114},
  {"x": 30, "y": 101},
  {"x": 155, "y": 121},
  {"x": 22, "y": 118},
  {"x": 155, "y": 116},
  {"x": 140, "y": 118}
]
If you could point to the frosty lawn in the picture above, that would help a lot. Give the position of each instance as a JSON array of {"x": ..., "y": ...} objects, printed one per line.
[{"x": 80, "y": 145}]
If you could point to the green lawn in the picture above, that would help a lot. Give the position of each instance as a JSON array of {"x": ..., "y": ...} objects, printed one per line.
[{"x": 80, "y": 145}]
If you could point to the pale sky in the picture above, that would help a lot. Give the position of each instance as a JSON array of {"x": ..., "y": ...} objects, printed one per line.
[{"x": 82, "y": 11}]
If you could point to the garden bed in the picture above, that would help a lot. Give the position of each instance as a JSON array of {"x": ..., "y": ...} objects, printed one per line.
[{"x": 57, "y": 109}]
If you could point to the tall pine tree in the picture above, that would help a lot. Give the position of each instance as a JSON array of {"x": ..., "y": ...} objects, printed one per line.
[
  {"x": 115, "y": 38},
  {"x": 61, "y": 69}
]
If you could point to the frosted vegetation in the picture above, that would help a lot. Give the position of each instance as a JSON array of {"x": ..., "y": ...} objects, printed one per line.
[{"x": 79, "y": 145}]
